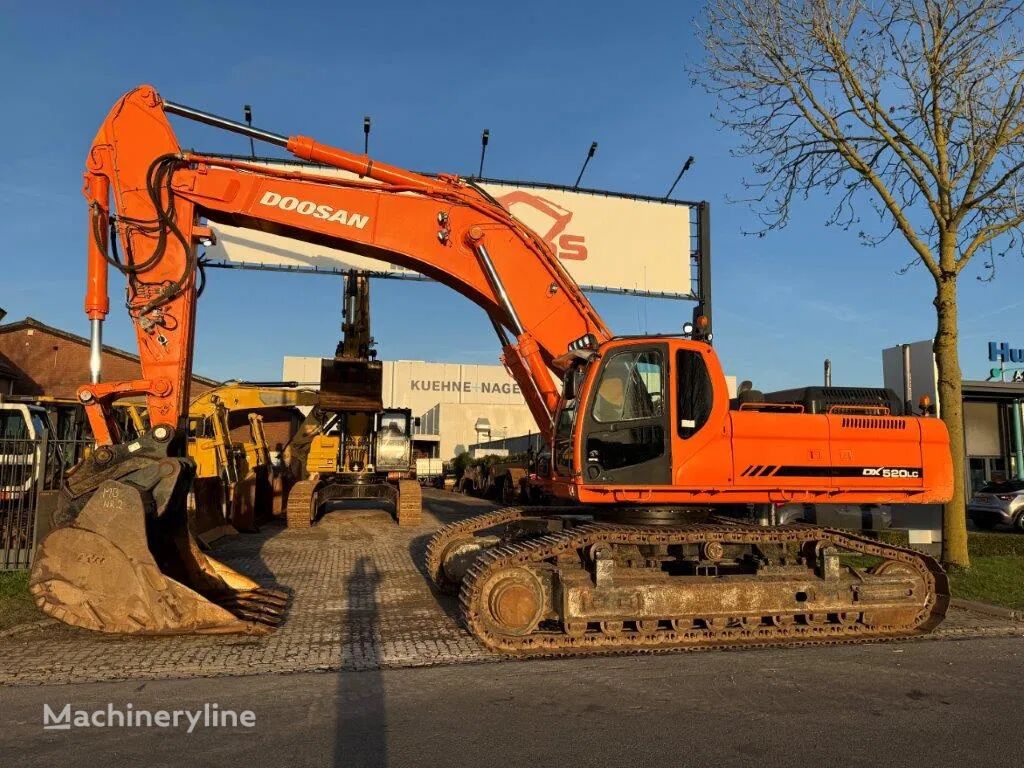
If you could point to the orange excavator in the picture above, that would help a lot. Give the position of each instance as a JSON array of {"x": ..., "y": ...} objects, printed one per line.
[{"x": 657, "y": 468}]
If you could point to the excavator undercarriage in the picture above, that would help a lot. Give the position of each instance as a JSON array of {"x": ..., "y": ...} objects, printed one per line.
[
  {"x": 551, "y": 584},
  {"x": 307, "y": 497}
]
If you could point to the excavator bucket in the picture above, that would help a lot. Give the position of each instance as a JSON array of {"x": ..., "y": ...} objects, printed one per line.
[{"x": 122, "y": 559}]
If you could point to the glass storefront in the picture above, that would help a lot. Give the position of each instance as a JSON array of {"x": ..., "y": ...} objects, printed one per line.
[{"x": 989, "y": 431}]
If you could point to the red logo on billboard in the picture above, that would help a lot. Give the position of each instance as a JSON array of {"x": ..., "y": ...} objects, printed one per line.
[{"x": 565, "y": 246}]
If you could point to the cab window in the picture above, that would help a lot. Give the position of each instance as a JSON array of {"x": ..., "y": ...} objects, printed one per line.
[
  {"x": 394, "y": 423},
  {"x": 13, "y": 426},
  {"x": 694, "y": 392},
  {"x": 631, "y": 387}
]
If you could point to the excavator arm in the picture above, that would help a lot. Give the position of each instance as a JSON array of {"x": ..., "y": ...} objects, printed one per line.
[{"x": 444, "y": 227}]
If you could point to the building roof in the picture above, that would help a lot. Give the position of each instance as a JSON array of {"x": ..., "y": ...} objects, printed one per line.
[
  {"x": 993, "y": 390},
  {"x": 31, "y": 322}
]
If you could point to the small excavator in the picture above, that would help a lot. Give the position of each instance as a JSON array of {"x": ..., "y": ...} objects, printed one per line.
[
  {"x": 666, "y": 539},
  {"x": 350, "y": 446}
]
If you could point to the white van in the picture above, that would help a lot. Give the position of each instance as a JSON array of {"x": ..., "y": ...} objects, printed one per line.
[{"x": 24, "y": 434}]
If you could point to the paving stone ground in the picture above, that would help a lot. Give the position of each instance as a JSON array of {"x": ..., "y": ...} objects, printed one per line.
[{"x": 359, "y": 601}]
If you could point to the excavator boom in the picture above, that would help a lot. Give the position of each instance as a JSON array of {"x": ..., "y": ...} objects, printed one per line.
[{"x": 443, "y": 227}]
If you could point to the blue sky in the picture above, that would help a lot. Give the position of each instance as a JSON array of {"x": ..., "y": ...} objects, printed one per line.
[{"x": 545, "y": 78}]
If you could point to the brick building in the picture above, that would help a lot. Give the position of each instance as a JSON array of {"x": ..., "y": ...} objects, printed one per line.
[
  {"x": 39, "y": 360},
  {"x": 279, "y": 426}
]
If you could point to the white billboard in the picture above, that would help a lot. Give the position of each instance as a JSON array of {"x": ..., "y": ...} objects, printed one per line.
[{"x": 607, "y": 242}]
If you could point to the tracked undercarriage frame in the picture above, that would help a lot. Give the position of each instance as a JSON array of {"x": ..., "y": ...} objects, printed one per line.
[
  {"x": 548, "y": 584},
  {"x": 307, "y": 496}
]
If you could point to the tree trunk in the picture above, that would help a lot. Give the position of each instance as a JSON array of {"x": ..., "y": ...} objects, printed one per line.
[{"x": 950, "y": 390}]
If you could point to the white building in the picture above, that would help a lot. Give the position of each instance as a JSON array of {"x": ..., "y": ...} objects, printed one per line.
[{"x": 458, "y": 404}]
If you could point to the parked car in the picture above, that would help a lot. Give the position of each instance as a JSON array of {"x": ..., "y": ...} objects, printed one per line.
[{"x": 999, "y": 503}]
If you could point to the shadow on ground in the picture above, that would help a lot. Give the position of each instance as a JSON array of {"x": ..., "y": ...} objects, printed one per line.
[
  {"x": 445, "y": 508},
  {"x": 361, "y": 732}
]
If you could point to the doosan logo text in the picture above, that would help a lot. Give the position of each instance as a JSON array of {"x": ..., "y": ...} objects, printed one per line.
[{"x": 317, "y": 211}]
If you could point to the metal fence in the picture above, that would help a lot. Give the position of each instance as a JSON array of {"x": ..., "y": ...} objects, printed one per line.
[{"x": 30, "y": 476}]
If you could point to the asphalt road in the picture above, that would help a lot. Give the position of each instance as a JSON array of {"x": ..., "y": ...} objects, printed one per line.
[{"x": 912, "y": 704}]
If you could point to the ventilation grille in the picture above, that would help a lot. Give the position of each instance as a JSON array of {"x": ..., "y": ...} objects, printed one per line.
[{"x": 868, "y": 422}]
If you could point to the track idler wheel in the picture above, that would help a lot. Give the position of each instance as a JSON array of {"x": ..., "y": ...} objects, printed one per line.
[
  {"x": 890, "y": 618},
  {"x": 515, "y": 602}
]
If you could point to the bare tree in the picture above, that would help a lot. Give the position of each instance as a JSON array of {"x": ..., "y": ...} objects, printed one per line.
[{"x": 911, "y": 111}]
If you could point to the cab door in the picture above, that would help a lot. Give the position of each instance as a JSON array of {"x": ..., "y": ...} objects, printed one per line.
[{"x": 626, "y": 437}]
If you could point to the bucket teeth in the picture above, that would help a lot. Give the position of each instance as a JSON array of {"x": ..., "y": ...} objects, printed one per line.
[
  {"x": 257, "y": 628},
  {"x": 255, "y": 597},
  {"x": 249, "y": 603},
  {"x": 276, "y": 594},
  {"x": 259, "y": 617}
]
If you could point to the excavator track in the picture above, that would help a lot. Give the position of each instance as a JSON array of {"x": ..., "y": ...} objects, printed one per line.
[
  {"x": 299, "y": 507},
  {"x": 409, "y": 503},
  {"x": 463, "y": 531},
  {"x": 509, "y": 589}
]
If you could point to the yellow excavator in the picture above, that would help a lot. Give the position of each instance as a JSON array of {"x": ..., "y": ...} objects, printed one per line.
[{"x": 235, "y": 480}]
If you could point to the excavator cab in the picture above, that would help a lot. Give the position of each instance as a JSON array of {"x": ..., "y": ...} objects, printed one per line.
[
  {"x": 625, "y": 426},
  {"x": 613, "y": 422},
  {"x": 645, "y": 421}
]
